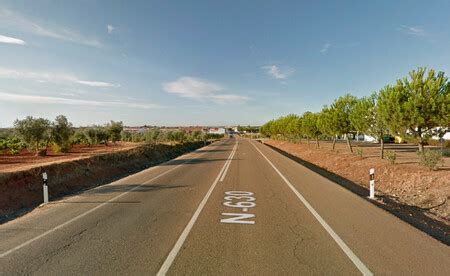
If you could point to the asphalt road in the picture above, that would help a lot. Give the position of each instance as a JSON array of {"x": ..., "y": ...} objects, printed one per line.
[{"x": 235, "y": 207}]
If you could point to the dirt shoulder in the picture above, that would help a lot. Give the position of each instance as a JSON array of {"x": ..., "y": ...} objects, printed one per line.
[{"x": 405, "y": 182}]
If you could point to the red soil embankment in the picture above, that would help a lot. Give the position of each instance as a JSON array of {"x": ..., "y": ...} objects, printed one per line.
[{"x": 23, "y": 189}]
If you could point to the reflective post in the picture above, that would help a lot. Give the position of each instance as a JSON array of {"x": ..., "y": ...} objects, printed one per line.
[
  {"x": 44, "y": 180},
  {"x": 372, "y": 183}
]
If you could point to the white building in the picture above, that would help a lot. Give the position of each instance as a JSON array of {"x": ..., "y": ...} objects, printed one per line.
[
  {"x": 437, "y": 130},
  {"x": 217, "y": 130},
  {"x": 371, "y": 139}
]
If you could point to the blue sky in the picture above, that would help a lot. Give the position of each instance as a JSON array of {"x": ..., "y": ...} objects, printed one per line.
[{"x": 207, "y": 62}]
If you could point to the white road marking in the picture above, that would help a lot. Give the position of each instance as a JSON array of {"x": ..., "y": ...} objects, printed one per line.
[
  {"x": 352, "y": 256},
  {"x": 238, "y": 218},
  {"x": 228, "y": 165},
  {"x": 173, "y": 253},
  {"x": 6, "y": 253},
  {"x": 248, "y": 203}
]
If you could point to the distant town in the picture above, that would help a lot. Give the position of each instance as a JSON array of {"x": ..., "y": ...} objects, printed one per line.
[{"x": 189, "y": 129}]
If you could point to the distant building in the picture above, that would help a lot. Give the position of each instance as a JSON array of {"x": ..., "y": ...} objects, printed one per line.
[
  {"x": 368, "y": 138},
  {"x": 217, "y": 130},
  {"x": 439, "y": 132},
  {"x": 139, "y": 129}
]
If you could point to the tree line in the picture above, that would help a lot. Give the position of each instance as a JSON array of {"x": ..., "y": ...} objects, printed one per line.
[
  {"x": 39, "y": 134},
  {"x": 155, "y": 135},
  {"x": 410, "y": 108}
]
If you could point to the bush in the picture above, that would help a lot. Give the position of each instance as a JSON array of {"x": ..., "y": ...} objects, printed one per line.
[
  {"x": 446, "y": 152},
  {"x": 96, "y": 135},
  {"x": 15, "y": 145},
  {"x": 391, "y": 156},
  {"x": 152, "y": 135},
  {"x": 195, "y": 136},
  {"x": 79, "y": 138},
  {"x": 213, "y": 136},
  {"x": 125, "y": 136},
  {"x": 430, "y": 159},
  {"x": 6, "y": 133},
  {"x": 14, "y": 151},
  {"x": 137, "y": 137},
  {"x": 61, "y": 148},
  {"x": 3, "y": 144}
]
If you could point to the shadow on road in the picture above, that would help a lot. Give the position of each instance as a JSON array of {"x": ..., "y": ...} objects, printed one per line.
[
  {"x": 92, "y": 202},
  {"x": 413, "y": 215},
  {"x": 194, "y": 161},
  {"x": 213, "y": 150},
  {"x": 137, "y": 188}
]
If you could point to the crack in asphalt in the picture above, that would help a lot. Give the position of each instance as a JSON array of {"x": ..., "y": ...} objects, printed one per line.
[
  {"x": 48, "y": 256},
  {"x": 298, "y": 242}
]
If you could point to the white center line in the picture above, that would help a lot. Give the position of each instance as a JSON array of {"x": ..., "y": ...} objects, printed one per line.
[
  {"x": 352, "y": 256},
  {"x": 6, "y": 253},
  {"x": 229, "y": 162},
  {"x": 173, "y": 253}
]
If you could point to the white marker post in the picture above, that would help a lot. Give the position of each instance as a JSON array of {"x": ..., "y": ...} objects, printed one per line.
[
  {"x": 372, "y": 183},
  {"x": 44, "y": 179}
]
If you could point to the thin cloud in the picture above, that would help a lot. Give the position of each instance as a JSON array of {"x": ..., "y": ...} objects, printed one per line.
[
  {"x": 325, "y": 48},
  {"x": 189, "y": 87},
  {"x": 95, "y": 83},
  {"x": 35, "y": 99},
  {"x": 68, "y": 94},
  {"x": 413, "y": 30},
  {"x": 275, "y": 72},
  {"x": 11, "y": 40},
  {"x": 229, "y": 98},
  {"x": 110, "y": 29},
  {"x": 19, "y": 22},
  {"x": 52, "y": 77}
]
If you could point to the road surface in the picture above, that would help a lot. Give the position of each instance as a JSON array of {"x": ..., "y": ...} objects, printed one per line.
[{"x": 235, "y": 207}]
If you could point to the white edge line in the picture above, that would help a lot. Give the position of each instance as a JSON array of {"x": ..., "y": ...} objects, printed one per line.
[
  {"x": 6, "y": 253},
  {"x": 352, "y": 256},
  {"x": 173, "y": 253}
]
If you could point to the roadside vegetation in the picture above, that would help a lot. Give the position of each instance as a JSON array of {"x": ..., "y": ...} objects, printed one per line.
[
  {"x": 38, "y": 135},
  {"x": 413, "y": 109}
]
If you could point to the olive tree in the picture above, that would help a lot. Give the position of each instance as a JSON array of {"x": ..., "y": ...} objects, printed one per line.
[
  {"x": 96, "y": 135},
  {"x": 61, "y": 133},
  {"x": 114, "y": 130},
  {"x": 35, "y": 132}
]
